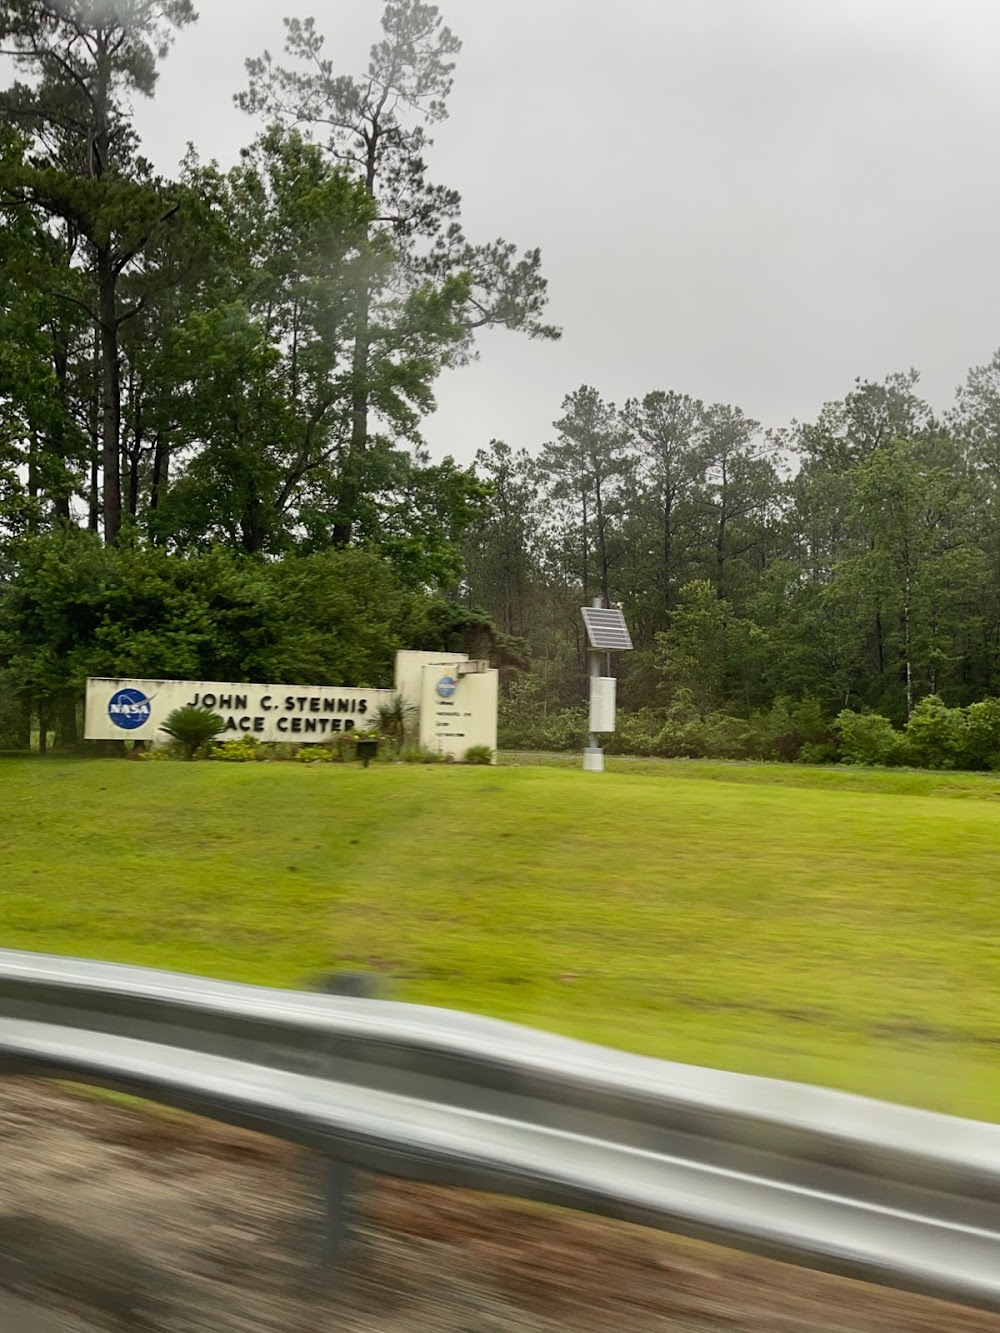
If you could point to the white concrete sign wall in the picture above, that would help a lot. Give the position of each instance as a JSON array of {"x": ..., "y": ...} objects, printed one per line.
[
  {"x": 410, "y": 671},
  {"x": 458, "y": 708},
  {"x": 303, "y": 714}
]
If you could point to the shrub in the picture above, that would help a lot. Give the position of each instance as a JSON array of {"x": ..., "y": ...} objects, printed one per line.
[
  {"x": 773, "y": 735},
  {"x": 157, "y": 754},
  {"x": 521, "y": 714},
  {"x": 811, "y": 723},
  {"x": 637, "y": 733},
  {"x": 935, "y": 737},
  {"x": 715, "y": 736},
  {"x": 243, "y": 750},
  {"x": 344, "y": 748},
  {"x": 193, "y": 728},
  {"x": 936, "y": 734},
  {"x": 982, "y": 734},
  {"x": 718, "y": 736},
  {"x": 819, "y": 752},
  {"x": 815, "y": 731},
  {"x": 869, "y": 738},
  {"x": 566, "y": 730},
  {"x": 479, "y": 754},
  {"x": 283, "y": 750},
  {"x": 341, "y": 749},
  {"x": 559, "y": 732},
  {"x": 315, "y": 754}
]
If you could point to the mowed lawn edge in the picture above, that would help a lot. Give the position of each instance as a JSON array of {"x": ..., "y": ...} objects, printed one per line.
[{"x": 839, "y": 936}]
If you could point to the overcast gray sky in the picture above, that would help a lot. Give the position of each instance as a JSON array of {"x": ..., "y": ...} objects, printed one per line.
[{"x": 752, "y": 201}]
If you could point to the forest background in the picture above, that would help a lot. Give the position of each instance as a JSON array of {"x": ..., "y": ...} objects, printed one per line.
[{"x": 211, "y": 464}]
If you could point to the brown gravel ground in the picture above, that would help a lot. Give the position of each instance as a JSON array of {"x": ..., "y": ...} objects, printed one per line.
[{"x": 135, "y": 1221}]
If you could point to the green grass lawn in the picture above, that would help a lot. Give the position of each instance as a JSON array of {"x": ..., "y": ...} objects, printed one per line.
[{"x": 833, "y": 926}]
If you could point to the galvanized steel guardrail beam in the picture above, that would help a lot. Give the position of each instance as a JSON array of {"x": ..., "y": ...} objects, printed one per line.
[{"x": 823, "y": 1179}]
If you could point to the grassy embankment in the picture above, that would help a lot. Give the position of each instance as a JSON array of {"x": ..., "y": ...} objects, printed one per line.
[{"x": 827, "y": 925}]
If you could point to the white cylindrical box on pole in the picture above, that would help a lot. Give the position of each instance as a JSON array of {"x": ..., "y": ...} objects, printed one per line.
[{"x": 603, "y": 696}]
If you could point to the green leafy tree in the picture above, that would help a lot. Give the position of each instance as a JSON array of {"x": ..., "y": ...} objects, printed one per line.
[
  {"x": 825, "y": 524},
  {"x": 419, "y": 522},
  {"x": 83, "y": 61},
  {"x": 501, "y": 548},
  {"x": 376, "y": 127},
  {"x": 936, "y": 735},
  {"x": 589, "y": 466},
  {"x": 666, "y": 431},
  {"x": 709, "y": 652},
  {"x": 739, "y": 497},
  {"x": 263, "y": 376},
  {"x": 982, "y": 728},
  {"x": 44, "y": 447},
  {"x": 911, "y": 499},
  {"x": 75, "y": 608},
  {"x": 975, "y": 423},
  {"x": 869, "y": 738}
]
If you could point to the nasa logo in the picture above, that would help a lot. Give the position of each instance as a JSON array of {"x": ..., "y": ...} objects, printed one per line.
[
  {"x": 447, "y": 686},
  {"x": 129, "y": 709}
]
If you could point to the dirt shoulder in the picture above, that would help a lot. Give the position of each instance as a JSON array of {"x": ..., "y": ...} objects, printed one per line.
[{"x": 140, "y": 1223}]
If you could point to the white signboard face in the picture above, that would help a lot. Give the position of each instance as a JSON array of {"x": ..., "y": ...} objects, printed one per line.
[
  {"x": 410, "y": 671},
  {"x": 458, "y": 711},
  {"x": 303, "y": 714}
]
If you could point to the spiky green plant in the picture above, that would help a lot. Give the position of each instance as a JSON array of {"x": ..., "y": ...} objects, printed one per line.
[
  {"x": 394, "y": 719},
  {"x": 193, "y": 728}
]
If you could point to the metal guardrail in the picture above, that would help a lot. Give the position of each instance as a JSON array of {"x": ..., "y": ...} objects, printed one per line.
[{"x": 823, "y": 1179}]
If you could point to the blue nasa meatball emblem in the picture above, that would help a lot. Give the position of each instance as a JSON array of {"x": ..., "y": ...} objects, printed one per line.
[
  {"x": 447, "y": 686},
  {"x": 129, "y": 709}
]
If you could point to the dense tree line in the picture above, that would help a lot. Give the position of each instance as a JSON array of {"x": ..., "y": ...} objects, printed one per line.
[
  {"x": 773, "y": 580},
  {"x": 222, "y": 375},
  {"x": 211, "y": 394}
]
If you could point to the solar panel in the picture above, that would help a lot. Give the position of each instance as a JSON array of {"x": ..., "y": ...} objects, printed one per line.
[{"x": 606, "y": 629}]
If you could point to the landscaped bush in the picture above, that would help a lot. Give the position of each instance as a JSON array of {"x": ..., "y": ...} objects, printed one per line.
[
  {"x": 344, "y": 748},
  {"x": 243, "y": 750},
  {"x": 156, "y": 754},
  {"x": 315, "y": 754}
]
